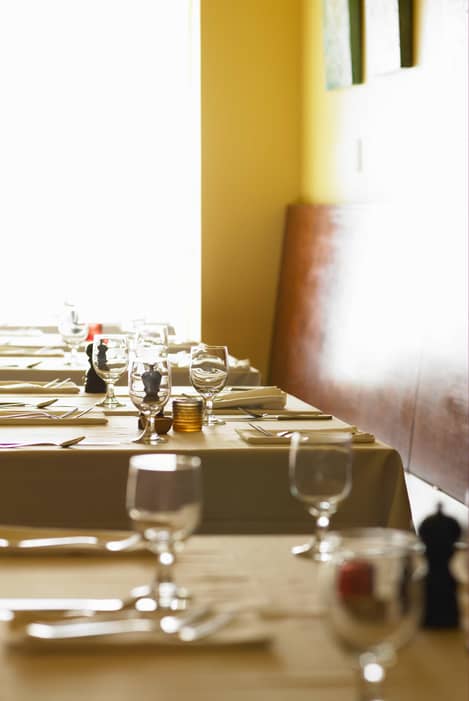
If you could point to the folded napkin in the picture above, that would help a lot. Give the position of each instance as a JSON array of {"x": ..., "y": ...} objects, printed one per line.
[
  {"x": 261, "y": 397},
  {"x": 256, "y": 438},
  {"x": 19, "y": 416},
  {"x": 18, "y": 387}
]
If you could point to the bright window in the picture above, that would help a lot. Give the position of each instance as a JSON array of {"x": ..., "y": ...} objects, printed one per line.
[{"x": 100, "y": 160}]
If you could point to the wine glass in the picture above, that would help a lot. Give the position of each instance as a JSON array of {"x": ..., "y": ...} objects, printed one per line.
[
  {"x": 208, "y": 373},
  {"x": 152, "y": 335},
  {"x": 110, "y": 358},
  {"x": 73, "y": 331},
  {"x": 320, "y": 470},
  {"x": 373, "y": 592},
  {"x": 150, "y": 388},
  {"x": 164, "y": 502}
]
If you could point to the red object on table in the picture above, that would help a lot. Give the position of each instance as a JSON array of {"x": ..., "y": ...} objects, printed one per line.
[
  {"x": 355, "y": 579},
  {"x": 94, "y": 329}
]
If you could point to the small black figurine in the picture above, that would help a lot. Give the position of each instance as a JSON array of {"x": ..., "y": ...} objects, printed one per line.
[
  {"x": 151, "y": 381},
  {"x": 101, "y": 357},
  {"x": 440, "y": 533},
  {"x": 93, "y": 384}
]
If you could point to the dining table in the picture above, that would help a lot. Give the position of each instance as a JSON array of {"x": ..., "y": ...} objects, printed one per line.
[
  {"x": 277, "y": 647},
  {"x": 245, "y": 475},
  {"x": 44, "y": 357}
]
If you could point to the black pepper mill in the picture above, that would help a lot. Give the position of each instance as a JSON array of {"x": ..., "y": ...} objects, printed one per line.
[
  {"x": 93, "y": 383},
  {"x": 440, "y": 533}
]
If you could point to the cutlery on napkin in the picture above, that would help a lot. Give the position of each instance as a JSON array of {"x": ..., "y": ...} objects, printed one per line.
[
  {"x": 255, "y": 437},
  {"x": 27, "y": 541},
  {"x": 19, "y": 387}
]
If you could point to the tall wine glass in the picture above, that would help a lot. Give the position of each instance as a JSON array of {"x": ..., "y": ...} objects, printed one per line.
[
  {"x": 150, "y": 388},
  {"x": 164, "y": 502},
  {"x": 73, "y": 330},
  {"x": 110, "y": 358},
  {"x": 373, "y": 594},
  {"x": 208, "y": 373},
  {"x": 320, "y": 477}
]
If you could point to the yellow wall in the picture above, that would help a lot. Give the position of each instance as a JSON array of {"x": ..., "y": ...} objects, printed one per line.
[
  {"x": 410, "y": 126},
  {"x": 250, "y": 69},
  {"x": 272, "y": 134}
]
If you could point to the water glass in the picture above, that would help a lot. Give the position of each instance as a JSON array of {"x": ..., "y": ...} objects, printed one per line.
[
  {"x": 150, "y": 389},
  {"x": 320, "y": 471},
  {"x": 208, "y": 372},
  {"x": 373, "y": 595},
  {"x": 73, "y": 330},
  {"x": 164, "y": 502},
  {"x": 110, "y": 358}
]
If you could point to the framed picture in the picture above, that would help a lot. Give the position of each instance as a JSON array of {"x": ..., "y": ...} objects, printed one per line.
[
  {"x": 382, "y": 37},
  {"x": 342, "y": 36}
]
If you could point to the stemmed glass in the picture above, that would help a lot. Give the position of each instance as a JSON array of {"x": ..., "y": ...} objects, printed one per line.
[
  {"x": 150, "y": 389},
  {"x": 373, "y": 591},
  {"x": 208, "y": 373},
  {"x": 110, "y": 358},
  {"x": 73, "y": 331},
  {"x": 164, "y": 502},
  {"x": 152, "y": 335},
  {"x": 320, "y": 470}
]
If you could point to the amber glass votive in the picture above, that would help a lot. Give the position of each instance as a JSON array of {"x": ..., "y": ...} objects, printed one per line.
[{"x": 187, "y": 415}]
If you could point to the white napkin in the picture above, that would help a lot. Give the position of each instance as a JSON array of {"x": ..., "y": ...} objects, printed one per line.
[
  {"x": 11, "y": 351},
  {"x": 18, "y": 387},
  {"x": 255, "y": 438},
  {"x": 261, "y": 397},
  {"x": 23, "y": 417}
]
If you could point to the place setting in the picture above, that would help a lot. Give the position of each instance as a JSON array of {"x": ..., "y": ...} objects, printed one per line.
[{"x": 164, "y": 503}]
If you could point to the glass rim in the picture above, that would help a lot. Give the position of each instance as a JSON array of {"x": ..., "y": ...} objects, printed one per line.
[
  {"x": 350, "y": 542},
  {"x": 164, "y": 462},
  {"x": 110, "y": 335}
]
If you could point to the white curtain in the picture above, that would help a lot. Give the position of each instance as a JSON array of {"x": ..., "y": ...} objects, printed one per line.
[{"x": 100, "y": 160}]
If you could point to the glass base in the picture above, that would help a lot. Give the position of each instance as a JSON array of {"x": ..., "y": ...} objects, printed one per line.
[
  {"x": 151, "y": 439},
  {"x": 168, "y": 598},
  {"x": 213, "y": 421},
  {"x": 317, "y": 551},
  {"x": 110, "y": 403}
]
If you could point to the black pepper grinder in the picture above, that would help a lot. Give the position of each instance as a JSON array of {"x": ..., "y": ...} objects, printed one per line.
[
  {"x": 93, "y": 383},
  {"x": 439, "y": 534}
]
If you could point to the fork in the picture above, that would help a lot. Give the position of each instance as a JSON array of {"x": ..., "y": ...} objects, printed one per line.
[
  {"x": 56, "y": 383},
  {"x": 271, "y": 434}
]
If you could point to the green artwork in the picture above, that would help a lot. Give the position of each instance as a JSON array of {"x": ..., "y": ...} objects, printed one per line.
[{"x": 342, "y": 25}]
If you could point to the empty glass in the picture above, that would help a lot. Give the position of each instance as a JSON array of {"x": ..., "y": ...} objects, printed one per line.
[
  {"x": 373, "y": 595},
  {"x": 152, "y": 335},
  {"x": 208, "y": 373},
  {"x": 110, "y": 358},
  {"x": 164, "y": 501},
  {"x": 320, "y": 471},
  {"x": 73, "y": 331},
  {"x": 150, "y": 388}
]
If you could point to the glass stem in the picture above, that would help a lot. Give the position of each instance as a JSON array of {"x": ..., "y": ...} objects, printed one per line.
[
  {"x": 370, "y": 690},
  {"x": 322, "y": 526},
  {"x": 163, "y": 585},
  {"x": 110, "y": 393},
  {"x": 209, "y": 408},
  {"x": 151, "y": 423}
]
